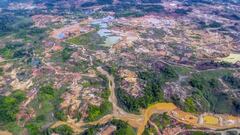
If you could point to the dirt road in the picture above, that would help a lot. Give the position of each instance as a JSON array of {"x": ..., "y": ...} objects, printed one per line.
[{"x": 5, "y": 133}]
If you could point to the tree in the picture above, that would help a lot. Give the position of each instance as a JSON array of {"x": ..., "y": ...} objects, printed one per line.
[
  {"x": 63, "y": 130},
  {"x": 10, "y": 106}
]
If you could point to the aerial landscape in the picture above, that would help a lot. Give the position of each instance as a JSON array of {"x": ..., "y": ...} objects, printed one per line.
[{"x": 119, "y": 67}]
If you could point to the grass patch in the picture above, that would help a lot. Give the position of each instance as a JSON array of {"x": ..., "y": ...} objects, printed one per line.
[
  {"x": 189, "y": 105},
  {"x": 208, "y": 95},
  {"x": 10, "y": 106},
  {"x": 61, "y": 130},
  {"x": 90, "y": 39},
  {"x": 47, "y": 107},
  {"x": 182, "y": 70},
  {"x": 8, "y": 111},
  {"x": 123, "y": 128},
  {"x": 95, "y": 112}
]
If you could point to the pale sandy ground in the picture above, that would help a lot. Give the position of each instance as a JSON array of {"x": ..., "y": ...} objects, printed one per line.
[
  {"x": 5, "y": 133},
  {"x": 232, "y": 58}
]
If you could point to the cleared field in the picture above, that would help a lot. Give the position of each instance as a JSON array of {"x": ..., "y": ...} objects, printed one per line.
[
  {"x": 89, "y": 39},
  {"x": 211, "y": 120},
  {"x": 232, "y": 58},
  {"x": 5, "y": 133},
  {"x": 69, "y": 31},
  {"x": 184, "y": 117}
]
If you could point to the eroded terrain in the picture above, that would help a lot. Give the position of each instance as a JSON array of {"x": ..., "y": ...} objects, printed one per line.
[{"x": 139, "y": 67}]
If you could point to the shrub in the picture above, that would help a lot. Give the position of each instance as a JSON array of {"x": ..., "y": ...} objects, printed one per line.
[
  {"x": 63, "y": 130},
  {"x": 232, "y": 81},
  {"x": 10, "y": 106}
]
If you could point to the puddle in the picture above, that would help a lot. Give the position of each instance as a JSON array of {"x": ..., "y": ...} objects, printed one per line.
[
  {"x": 60, "y": 36},
  {"x": 111, "y": 40},
  {"x": 110, "y": 37}
]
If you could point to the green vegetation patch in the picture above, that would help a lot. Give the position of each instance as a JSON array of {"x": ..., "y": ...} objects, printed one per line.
[
  {"x": 62, "y": 56},
  {"x": 10, "y": 23},
  {"x": 149, "y": 130},
  {"x": 151, "y": 8},
  {"x": 152, "y": 92},
  {"x": 129, "y": 13},
  {"x": 197, "y": 133},
  {"x": 81, "y": 66},
  {"x": 95, "y": 112},
  {"x": 190, "y": 105},
  {"x": 91, "y": 39},
  {"x": 232, "y": 81},
  {"x": 123, "y": 128},
  {"x": 61, "y": 130},
  {"x": 213, "y": 24},
  {"x": 46, "y": 105},
  {"x": 208, "y": 94},
  {"x": 8, "y": 111},
  {"x": 162, "y": 120},
  {"x": 182, "y": 11},
  {"x": 10, "y": 50},
  {"x": 182, "y": 70},
  {"x": 10, "y": 106},
  {"x": 66, "y": 54},
  {"x": 33, "y": 35}
]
